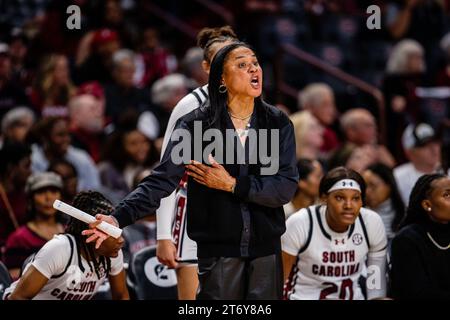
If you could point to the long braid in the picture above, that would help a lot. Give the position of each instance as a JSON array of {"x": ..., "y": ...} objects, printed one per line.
[
  {"x": 93, "y": 203},
  {"x": 415, "y": 213}
]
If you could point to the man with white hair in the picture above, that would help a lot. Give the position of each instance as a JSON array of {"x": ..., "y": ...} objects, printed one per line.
[
  {"x": 87, "y": 121},
  {"x": 318, "y": 98},
  {"x": 360, "y": 128},
  {"x": 15, "y": 125},
  {"x": 166, "y": 92},
  {"x": 192, "y": 66},
  {"x": 122, "y": 94}
]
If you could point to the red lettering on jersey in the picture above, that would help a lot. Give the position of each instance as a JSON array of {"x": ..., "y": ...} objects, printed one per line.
[
  {"x": 181, "y": 202},
  {"x": 338, "y": 256},
  {"x": 91, "y": 286},
  {"x": 352, "y": 256},
  {"x": 332, "y": 257},
  {"x": 85, "y": 287}
]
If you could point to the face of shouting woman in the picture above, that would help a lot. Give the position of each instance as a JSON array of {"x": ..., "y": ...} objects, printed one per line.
[{"x": 242, "y": 74}]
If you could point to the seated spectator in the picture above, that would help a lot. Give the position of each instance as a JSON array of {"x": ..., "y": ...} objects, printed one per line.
[
  {"x": 405, "y": 71},
  {"x": 15, "y": 125},
  {"x": 360, "y": 128},
  {"x": 142, "y": 233},
  {"x": 166, "y": 93},
  {"x": 126, "y": 152},
  {"x": 15, "y": 168},
  {"x": 87, "y": 123},
  {"x": 11, "y": 94},
  {"x": 53, "y": 142},
  {"x": 318, "y": 98},
  {"x": 308, "y": 135},
  {"x": 69, "y": 176},
  {"x": 43, "y": 223},
  {"x": 18, "y": 50},
  {"x": 94, "y": 56},
  {"x": 122, "y": 94},
  {"x": 193, "y": 69},
  {"x": 423, "y": 21},
  {"x": 423, "y": 150},
  {"x": 307, "y": 194},
  {"x": 67, "y": 268},
  {"x": 383, "y": 197},
  {"x": 158, "y": 62},
  {"x": 53, "y": 87},
  {"x": 420, "y": 257},
  {"x": 111, "y": 14}
]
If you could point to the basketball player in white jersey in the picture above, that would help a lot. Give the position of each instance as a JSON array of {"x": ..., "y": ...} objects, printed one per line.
[
  {"x": 328, "y": 248},
  {"x": 175, "y": 249},
  {"x": 66, "y": 268}
]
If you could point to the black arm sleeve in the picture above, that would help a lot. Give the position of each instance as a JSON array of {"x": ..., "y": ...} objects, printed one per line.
[{"x": 145, "y": 199}]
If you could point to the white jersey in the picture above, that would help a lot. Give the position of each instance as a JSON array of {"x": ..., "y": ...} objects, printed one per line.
[
  {"x": 329, "y": 264},
  {"x": 58, "y": 262},
  {"x": 171, "y": 215}
]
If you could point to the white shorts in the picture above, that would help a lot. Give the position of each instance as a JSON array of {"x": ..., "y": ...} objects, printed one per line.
[{"x": 186, "y": 247}]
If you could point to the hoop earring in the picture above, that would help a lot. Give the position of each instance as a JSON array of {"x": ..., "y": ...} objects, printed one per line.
[{"x": 222, "y": 88}]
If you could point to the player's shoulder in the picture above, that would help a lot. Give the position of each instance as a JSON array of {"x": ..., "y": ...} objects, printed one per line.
[
  {"x": 59, "y": 248},
  {"x": 369, "y": 215},
  {"x": 301, "y": 217},
  {"x": 372, "y": 222},
  {"x": 193, "y": 99},
  {"x": 61, "y": 242}
]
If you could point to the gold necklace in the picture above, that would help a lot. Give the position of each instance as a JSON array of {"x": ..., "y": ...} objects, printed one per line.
[
  {"x": 436, "y": 244},
  {"x": 236, "y": 117}
]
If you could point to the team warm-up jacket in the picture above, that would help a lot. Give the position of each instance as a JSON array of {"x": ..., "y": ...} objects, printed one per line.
[{"x": 246, "y": 223}]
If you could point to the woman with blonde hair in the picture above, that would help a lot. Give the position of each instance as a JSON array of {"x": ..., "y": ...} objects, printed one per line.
[
  {"x": 53, "y": 87},
  {"x": 308, "y": 134}
]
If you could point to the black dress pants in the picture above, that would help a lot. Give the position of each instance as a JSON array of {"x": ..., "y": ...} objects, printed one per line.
[{"x": 240, "y": 278}]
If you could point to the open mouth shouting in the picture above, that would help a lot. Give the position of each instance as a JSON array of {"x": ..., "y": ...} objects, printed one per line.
[{"x": 255, "y": 82}]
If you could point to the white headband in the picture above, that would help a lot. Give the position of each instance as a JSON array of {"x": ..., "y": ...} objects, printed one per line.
[{"x": 345, "y": 184}]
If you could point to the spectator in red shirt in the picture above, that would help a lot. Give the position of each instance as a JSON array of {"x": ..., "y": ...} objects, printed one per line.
[{"x": 157, "y": 60}]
